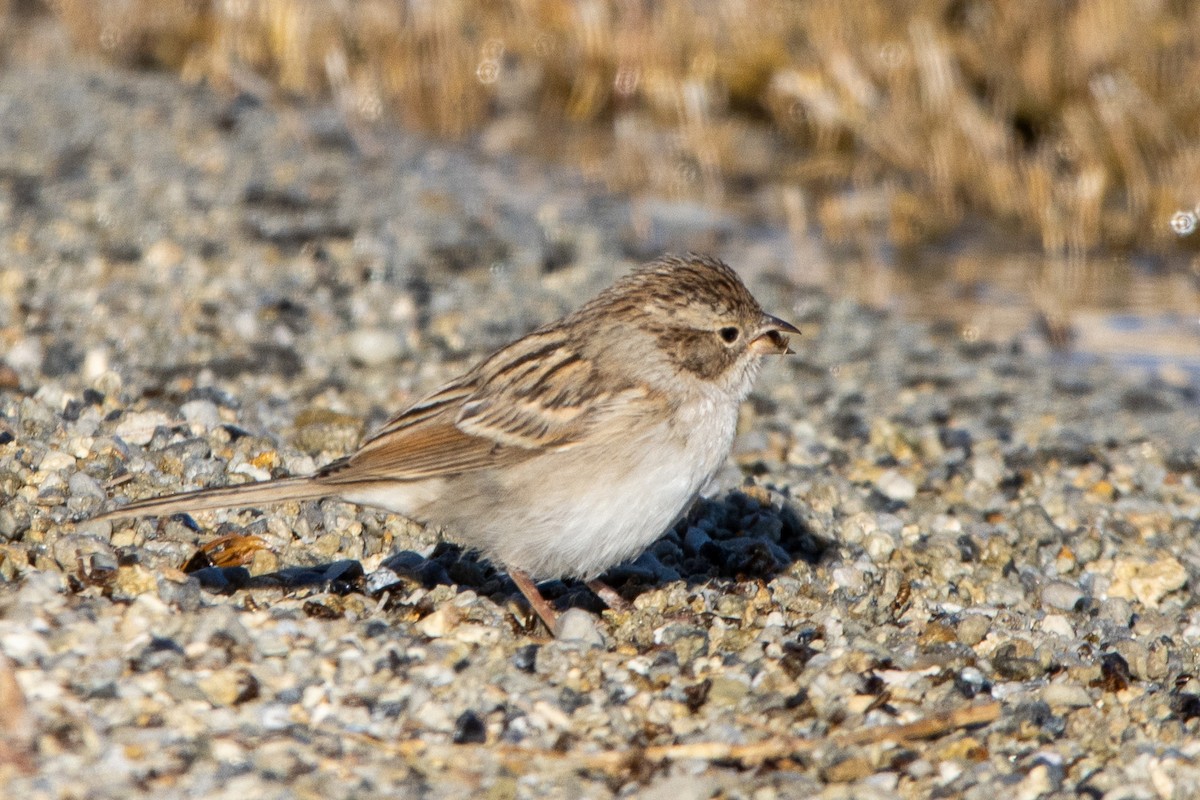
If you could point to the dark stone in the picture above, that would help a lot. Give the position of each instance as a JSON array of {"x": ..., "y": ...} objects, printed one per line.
[
  {"x": 159, "y": 653},
  {"x": 1034, "y": 524},
  {"x": 62, "y": 357},
  {"x": 1185, "y": 705},
  {"x": 973, "y": 685},
  {"x": 1114, "y": 673},
  {"x": 525, "y": 659},
  {"x": 469, "y": 729},
  {"x": 222, "y": 579},
  {"x": 696, "y": 695},
  {"x": 1012, "y": 666}
]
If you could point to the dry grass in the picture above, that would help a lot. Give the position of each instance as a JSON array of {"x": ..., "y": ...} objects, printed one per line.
[{"x": 1076, "y": 124}]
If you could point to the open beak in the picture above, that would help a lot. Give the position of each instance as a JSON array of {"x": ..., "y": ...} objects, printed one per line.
[{"x": 770, "y": 338}]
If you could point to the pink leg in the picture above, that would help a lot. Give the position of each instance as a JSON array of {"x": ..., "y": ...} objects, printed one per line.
[
  {"x": 540, "y": 605},
  {"x": 608, "y": 594}
]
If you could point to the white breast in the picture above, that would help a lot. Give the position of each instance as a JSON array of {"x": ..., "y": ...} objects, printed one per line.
[{"x": 597, "y": 506}]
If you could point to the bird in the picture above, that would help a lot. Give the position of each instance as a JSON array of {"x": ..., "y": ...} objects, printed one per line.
[{"x": 569, "y": 450}]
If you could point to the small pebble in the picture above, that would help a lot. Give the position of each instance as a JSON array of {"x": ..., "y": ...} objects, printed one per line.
[
  {"x": 202, "y": 414},
  {"x": 895, "y": 486},
  {"x": 579, "y": 626},
  {"x": 374, "y": 347},
  {"x": 1061, "y": 595},
  {"x": 138, "y": 428}
]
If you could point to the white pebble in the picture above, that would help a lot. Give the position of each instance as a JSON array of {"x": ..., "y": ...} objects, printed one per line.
[
  {"x": 577, "y": 625},
  {"x": 880, "y": 546},
  {"x": 1058, "y": 625},
  {"x": 857, "y": 527},
  {"x": 851, "y": 579},
  {"x": 95, "y": 363},
  {"x": 1061, "y": 595},
  {"x": 474, "y": 633},
  {"x": 440, "y": 622},
  {"x": 373, "y": 347},
  {"x": 138, "y": 428},
  {"x": 24, "y": 354},
  {"x": 895, "y": 486},
  {"x": 201, "y": 414},
  {"x": 55, "y": 460},
  {"x": 248, "y": 469},
  {"x": 1066, "y": 694},
  {"x": 81, "y": 484}
]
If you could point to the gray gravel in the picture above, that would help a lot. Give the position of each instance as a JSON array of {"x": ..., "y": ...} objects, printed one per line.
[{"x": 195, "y": 287}]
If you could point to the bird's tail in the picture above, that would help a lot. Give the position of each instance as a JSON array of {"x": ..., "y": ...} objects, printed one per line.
[{"x": 250, "y": 494}]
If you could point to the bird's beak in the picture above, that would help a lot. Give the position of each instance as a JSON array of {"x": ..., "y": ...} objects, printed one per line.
[{"x": 770, "y": 338}]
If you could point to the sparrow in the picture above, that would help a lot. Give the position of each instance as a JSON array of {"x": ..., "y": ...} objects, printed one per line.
[{"x": 569, "y": 450}]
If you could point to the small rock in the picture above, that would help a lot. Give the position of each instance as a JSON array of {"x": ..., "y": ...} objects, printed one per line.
[
  {"x": 525, "y": 659},
  {"x": 846, "y": 769},
  {"x": 55, "y": 460},
  {"x": 441, "y": 622},
  {"x": 880, "y": 546},
  {"x": 1061, "y": 595},
  {"x": 1058, "y": 625},
  {"x": 1014, "y": 661},
  {"x": 228, "y": 687},
  {"x": 895, "y": 486},
  {"x": 181, "y": 591},
  {"x": 1035, "y": 525},
  {"x": 133, "y": 580},
  {"x": 1036, "y": 783},
  {"x": 80, "y": 484},
  {"x": 163, "y": 255},
  {"x": 858, "y": 527},
  {"x": 138, "y": 428},
  {"x": 972, "y": 628},
  {"x": 971, "y": 682},
  {"x": 469, "y": 729},
  {"x": 159, "y": 653},
  {"x": 93, "y": 528},
  {"x": 1148, "y": 583},
  {"x": 373, "y": 347},
  {"x": 851, "y": 579},
  {"x": 1144, "y": 662},
  {"x": 727, "y": 690},
  {"x": 202, "y": 414},
  {"x": 1066, "y": 694},
  {"x": 577, "y": 625},
  {"x": 95, "y": 363},
  {"x": 1117, "y": 611}
]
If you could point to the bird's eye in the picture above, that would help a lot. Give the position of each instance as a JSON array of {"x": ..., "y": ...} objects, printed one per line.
[{"x": 730, "y": 334}]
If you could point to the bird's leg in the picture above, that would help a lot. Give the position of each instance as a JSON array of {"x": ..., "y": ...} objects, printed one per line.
[
  {"x": 608, "y": 594},
  {"x": 541, "y": 606}
]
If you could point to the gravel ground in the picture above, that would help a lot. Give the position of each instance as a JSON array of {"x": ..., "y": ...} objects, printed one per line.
[{"x": 934, "y": 566}]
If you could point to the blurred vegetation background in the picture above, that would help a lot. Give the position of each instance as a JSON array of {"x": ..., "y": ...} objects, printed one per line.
[{"x": 1067, "y": 126}]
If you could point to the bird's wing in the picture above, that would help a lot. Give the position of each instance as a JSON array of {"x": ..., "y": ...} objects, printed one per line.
[
  {"x": 420, "y": 442},
  {"x": 536, "y": 394}
]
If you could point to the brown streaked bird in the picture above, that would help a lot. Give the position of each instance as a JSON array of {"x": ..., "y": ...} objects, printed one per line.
[{"x": 569, "y": 450}]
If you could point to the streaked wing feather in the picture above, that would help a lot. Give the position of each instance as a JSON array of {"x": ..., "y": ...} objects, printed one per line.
[
  {"x": 427, "y": 449},
  {"x": 538, "y": 393}
]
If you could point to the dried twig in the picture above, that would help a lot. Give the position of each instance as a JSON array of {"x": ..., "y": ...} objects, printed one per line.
[
  {"x": 117, "y": 480},
  {"x": 520, "y": 758}
]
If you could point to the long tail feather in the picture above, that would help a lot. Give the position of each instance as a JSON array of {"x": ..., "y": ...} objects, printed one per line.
[{"x": 250, "y": 494}]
